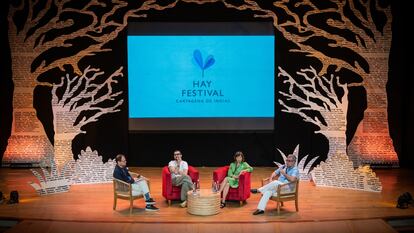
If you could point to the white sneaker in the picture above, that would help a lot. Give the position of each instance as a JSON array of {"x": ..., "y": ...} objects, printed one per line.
[
  {"x": 183, "y": 204},
  {"x": 150, "y": 201}
]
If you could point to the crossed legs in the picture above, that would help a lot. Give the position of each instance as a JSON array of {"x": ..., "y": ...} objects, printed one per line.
[
  {"x": 186, "y": 184},
  {"x": 224, "y": 187}
]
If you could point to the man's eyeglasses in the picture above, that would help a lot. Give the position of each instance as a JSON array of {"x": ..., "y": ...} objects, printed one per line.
[{"x": 289, "y": 160}]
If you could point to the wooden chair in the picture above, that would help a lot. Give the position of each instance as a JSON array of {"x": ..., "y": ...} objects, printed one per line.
[
  {"x": 123, "y": 190},
  {"x": 285, "y": 192}
]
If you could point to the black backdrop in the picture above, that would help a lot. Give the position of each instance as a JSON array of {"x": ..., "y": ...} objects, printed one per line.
[
  {"x": 218, "y": 148},
  {"x": 110, "y": 135}
]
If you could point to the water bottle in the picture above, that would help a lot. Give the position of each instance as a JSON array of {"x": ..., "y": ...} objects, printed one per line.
[
  {"x": 198, "y": 186},
  {"x": 213, "y": 187},
  {"x": 194, "y": 188}
]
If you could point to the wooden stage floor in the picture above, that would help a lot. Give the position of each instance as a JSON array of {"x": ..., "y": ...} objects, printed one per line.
[{"x": 319, "y": 208}]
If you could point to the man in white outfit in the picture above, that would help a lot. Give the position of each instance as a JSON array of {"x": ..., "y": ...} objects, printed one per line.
[
  {"x": 287, "y": 173},
  {"x": 179, "y": 176}
]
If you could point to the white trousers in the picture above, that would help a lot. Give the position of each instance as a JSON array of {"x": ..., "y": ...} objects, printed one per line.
[
  {"x": 140, "y": 188},
  {"x": 267, "y": 190}
]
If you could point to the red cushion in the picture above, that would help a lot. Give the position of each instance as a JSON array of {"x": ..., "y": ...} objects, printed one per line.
[{"x": 171, "y": 192}]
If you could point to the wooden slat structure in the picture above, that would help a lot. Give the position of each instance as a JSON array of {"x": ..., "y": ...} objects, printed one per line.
[{"x": 203, "y": 202}]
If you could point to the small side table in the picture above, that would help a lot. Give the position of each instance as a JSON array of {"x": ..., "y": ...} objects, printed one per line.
[{"x": 205, "y": 202}]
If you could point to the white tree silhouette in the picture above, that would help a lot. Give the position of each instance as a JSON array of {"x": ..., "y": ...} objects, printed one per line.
[
  {"x": 47, "y": 36},
  {"x": 318, "y": 93},
  {"x": 40, "y": 28},
  {"x": 348, "y": 35},
  {"x": 84, "y": 100}
]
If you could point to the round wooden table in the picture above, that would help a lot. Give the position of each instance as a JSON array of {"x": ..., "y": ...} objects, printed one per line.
[{"x": 204, "y": 202}]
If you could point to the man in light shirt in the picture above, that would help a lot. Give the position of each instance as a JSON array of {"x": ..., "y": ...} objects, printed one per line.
[
  {"x": 179, "y": 175},
  {"x": 287, "y": 173}
]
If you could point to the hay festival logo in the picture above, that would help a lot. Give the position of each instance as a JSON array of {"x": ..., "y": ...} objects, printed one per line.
[
  {"x": 202, "y": 90},
  {"x": 199, "y": 60}
]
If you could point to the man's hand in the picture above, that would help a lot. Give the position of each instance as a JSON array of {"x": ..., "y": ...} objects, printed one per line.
[
  {"x": 281, "y": 166},
  {"x": 141, "y": 178},
  {"x": 172, "y": 169}
]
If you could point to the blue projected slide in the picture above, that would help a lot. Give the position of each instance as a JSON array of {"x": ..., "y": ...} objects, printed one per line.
[
  {"x": 197, "y": 77},
  {"x": 201, "y": 76}
]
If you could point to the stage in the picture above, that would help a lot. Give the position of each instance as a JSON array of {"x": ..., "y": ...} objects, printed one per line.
[{"x": 88, "y": 208}]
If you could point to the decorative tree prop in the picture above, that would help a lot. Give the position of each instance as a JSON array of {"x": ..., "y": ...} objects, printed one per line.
[
  {"x": 354, "y": 36},
  {"x": 40, "y": 31},
  {"x": 89, "y": 168},
  {"x": 338, "y": 172},
  {"x": 303, "y": 170},
  {"x": 54, "y": 181},
  {"x": 79, "y": 101},
  {"x": 350, "y": 36},
  {"x": 321, "y": 101}
]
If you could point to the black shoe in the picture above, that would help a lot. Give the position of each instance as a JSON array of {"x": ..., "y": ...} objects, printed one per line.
[
  {"x": 12, "y": 201},
  {"x": 258, "y": 212},
  {"x": 222, "y": 205},
  {"x": 150, "y": 201},
  {"x": 151, "y": 208},
  {"x": 14, "y": 197},
  {"x": 254, "y": 191}
]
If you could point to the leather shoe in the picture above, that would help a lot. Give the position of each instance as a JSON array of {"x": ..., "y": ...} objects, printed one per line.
[
  {"x": 258, "y": 212},
  {"x": 254, "y": 191}
]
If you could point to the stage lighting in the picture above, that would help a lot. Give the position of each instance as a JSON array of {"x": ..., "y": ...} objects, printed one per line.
[{"x": 404, "y": 200}]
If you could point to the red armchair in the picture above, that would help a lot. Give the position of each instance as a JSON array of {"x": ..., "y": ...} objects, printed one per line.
[
  {"x": 242, "y": 193},
  {"x": 170, "y": 192}
]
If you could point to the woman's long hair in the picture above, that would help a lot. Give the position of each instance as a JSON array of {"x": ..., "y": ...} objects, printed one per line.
[{"x": 237, "y": 154}]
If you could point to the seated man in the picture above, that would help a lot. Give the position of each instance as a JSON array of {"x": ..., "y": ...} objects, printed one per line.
[
  {"x": 287, "y": 173},
  {"x": 139, "y": 184},
  {"x": 179, "y": 176}
]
